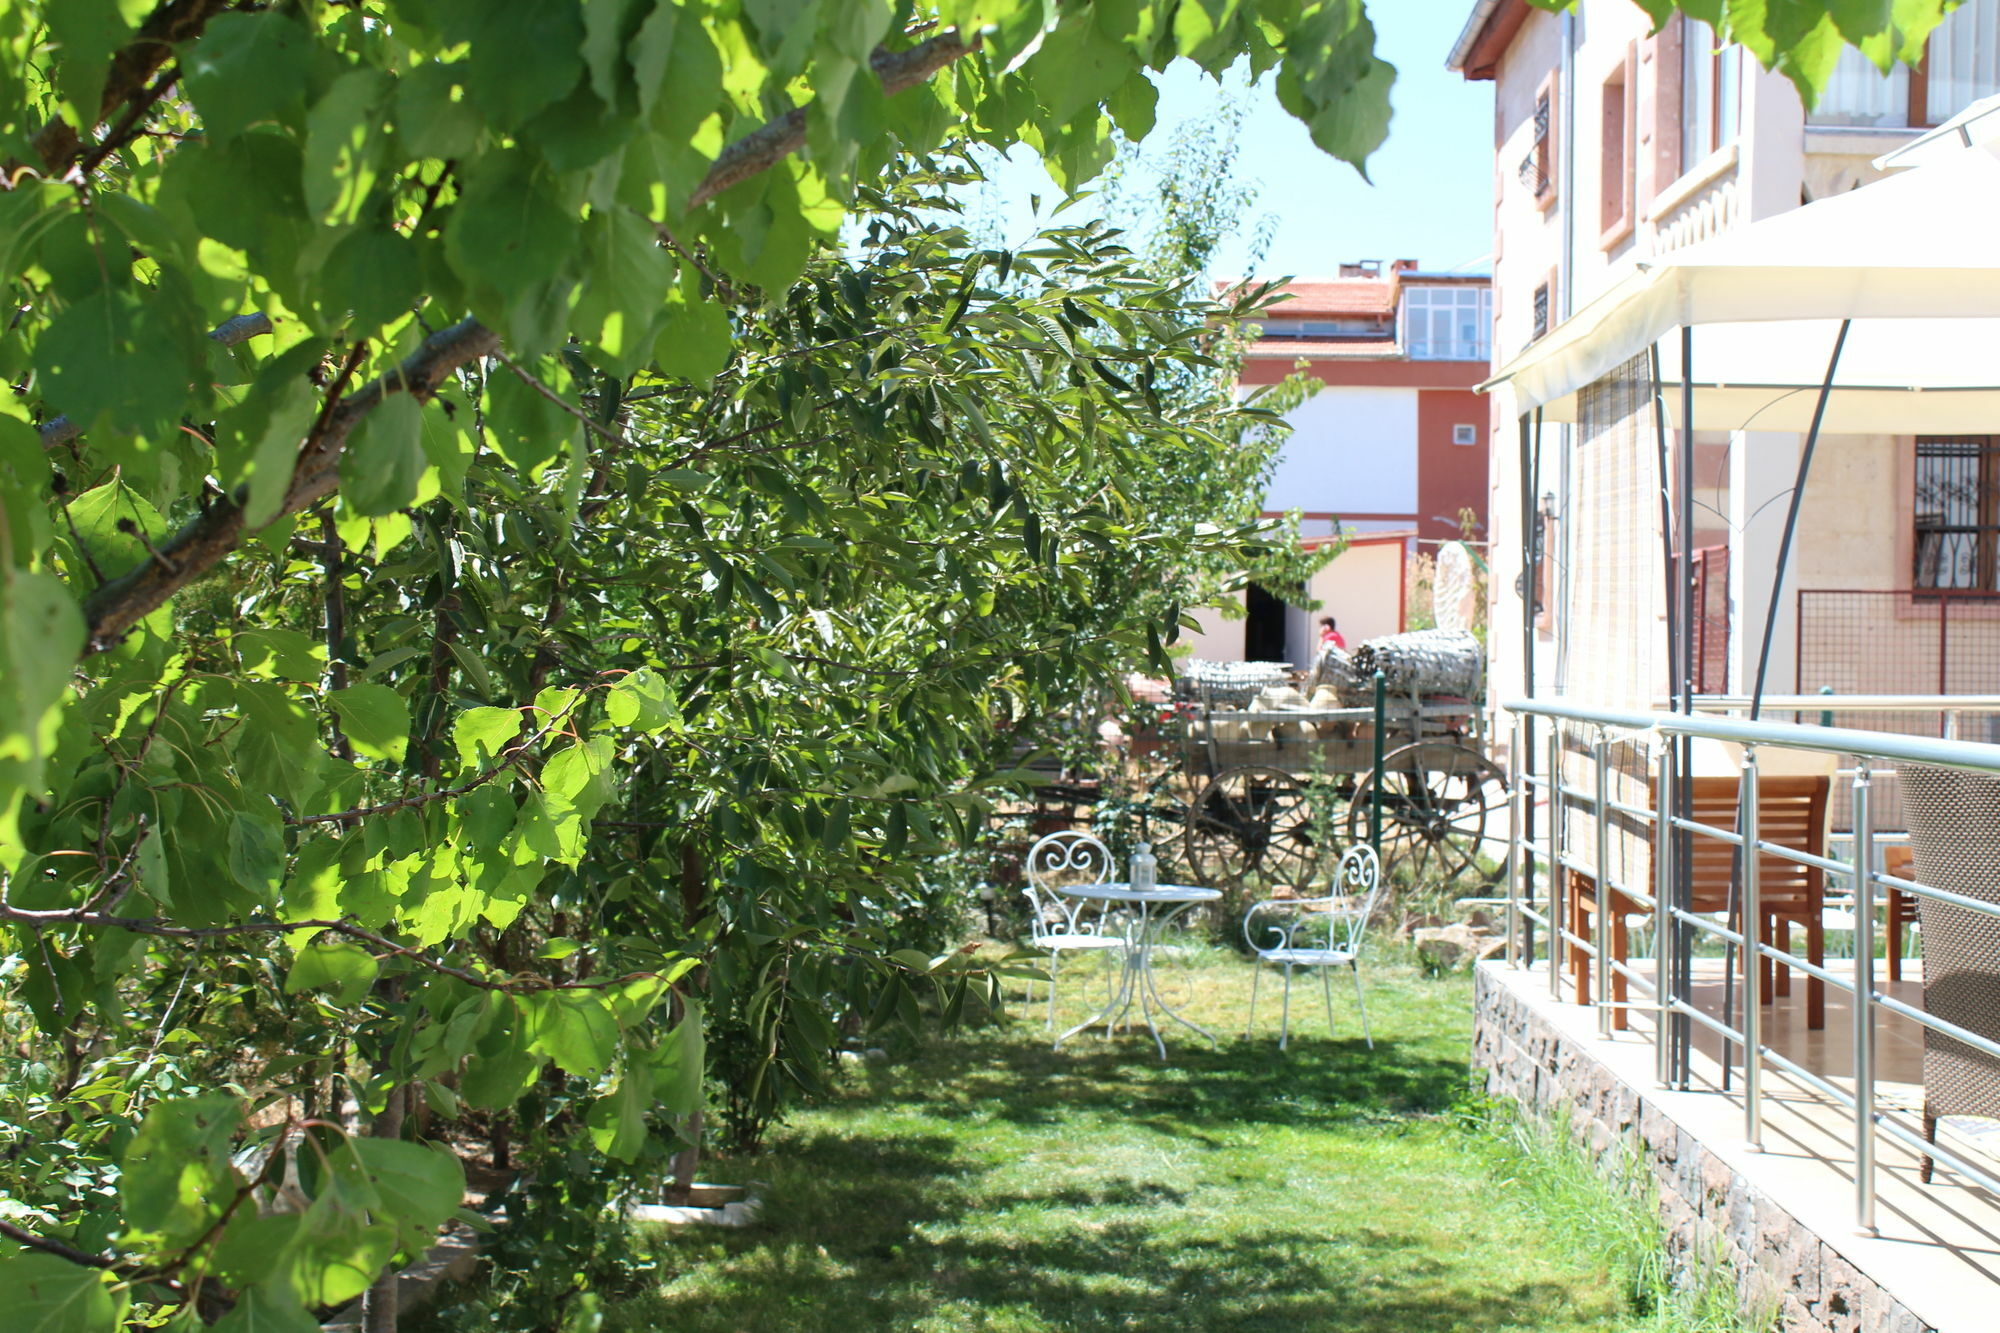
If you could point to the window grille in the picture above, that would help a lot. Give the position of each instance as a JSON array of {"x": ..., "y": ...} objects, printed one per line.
[
  {"x": 1541, "y": 310},
  {"x": 1957, "y": 513},
  {"x": 1534, "y": 169}
]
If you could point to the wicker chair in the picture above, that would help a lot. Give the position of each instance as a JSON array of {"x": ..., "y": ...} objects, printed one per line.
[
  {"x": 1791, "y": 811},
  {"x": 1954, "y": 820}
]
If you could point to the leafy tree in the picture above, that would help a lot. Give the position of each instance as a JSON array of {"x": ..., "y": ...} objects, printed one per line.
[{"x": 487, "y": 584}]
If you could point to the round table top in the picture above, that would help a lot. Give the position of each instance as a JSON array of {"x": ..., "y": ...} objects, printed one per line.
[{"x": 1117, "y": 892}]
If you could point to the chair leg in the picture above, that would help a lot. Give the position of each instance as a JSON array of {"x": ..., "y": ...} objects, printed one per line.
[
  {"x": 1055, "y": 961},
  {"x": 1326, "y": 988},
  {"x": 1781, "y": 931},
  {"x": 1815, "y": 988},
  {"x": 1285, "y": 1012},
  {"x": 1256, "y": 971},
  {"x": 1621, "y": 948},
  {"x": 1895, "y": 935},
  {"x": 1925, "y": 1164},
  {"x": 1767, "y": 975},
  {"x": 1361, "y": 1005},
  {"x": 1579, "y": 926}
]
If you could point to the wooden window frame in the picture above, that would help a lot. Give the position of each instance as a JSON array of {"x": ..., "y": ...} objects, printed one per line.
[
  {"x": 1715, "y": 141},
  {"x": 1617, "y": 174},
  {"x": 1543, "y": 154}
]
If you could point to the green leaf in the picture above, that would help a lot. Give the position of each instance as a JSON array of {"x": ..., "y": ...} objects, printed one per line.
[
  {"x": 176, "y": 1174},
  {"x": 384, "y": 461},
  {"x": 124, "y": 357},
  {"x": 267, "y": 1309},
  {"x": 679, "y": 1064},
  {"x": 574, "y": 1028},
  {"x": 617, "y": 1120},
  {"x": 482, "y": 733},
  {"x": 609, "y": 27},
  {"x": 641, "y": 699},
  {"x": 44, "y": 1294},
  {"x": 419, "y": 1186},
  {"x": 528, "y": 429},
  {"x": 247, "y": 69},
  {"x": 88, "y": 31},
  {"x": 260, "y": 438},
  {"x": 432, "y": 115},
  {"x": 374, "y": 273},
  {"x": 344, "y": 145},
  {"x": 624, "y": 298},
  {"x": 257, "y": 851},
  {"x": 374, "y": 718},
  {"x": 340, "y": 966},
  {"x": 525, "y": 55},
  {"x": 41, "y": 633},
  {"x": 694, "y": 343}
]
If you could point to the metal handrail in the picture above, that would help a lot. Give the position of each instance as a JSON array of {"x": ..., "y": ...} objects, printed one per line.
[
  {"x": 1973, "y": 756},
  {"x": 1848, "y": 703},
  {"x": 1540, "y": 867}
]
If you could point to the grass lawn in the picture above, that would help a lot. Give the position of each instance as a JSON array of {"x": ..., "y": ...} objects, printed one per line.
[{"x": 984, "y": 1182}]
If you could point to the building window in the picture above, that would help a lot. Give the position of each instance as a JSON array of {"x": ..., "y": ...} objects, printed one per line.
[
  {"x": 1463, "y": 434},
  {"x": 1960, "y": 66},
  {"x": 1537, "y": 170},
  {"x": 1962, "y": 63},
  {"x": 1711, "y": 92},
  {"x": 1447, "y": 323},
  {"x": 1614, "y": 174},
  {"x": 1957, "y": 518},
  {"x": 1541, "y": 312}
]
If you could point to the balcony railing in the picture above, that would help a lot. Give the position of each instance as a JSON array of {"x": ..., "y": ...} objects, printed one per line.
[{"x": 1555, "y": 741}]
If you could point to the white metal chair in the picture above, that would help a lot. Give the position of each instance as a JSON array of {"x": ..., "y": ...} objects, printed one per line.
[
  {"x": 1317, "y": 932},
  {"x": 1057, "y": 923}
]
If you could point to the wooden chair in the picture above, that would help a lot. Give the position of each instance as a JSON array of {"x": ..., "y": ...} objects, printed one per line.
[
  {"x": 1791, "y": 811},
  {"x": 1900, "y": 860}
]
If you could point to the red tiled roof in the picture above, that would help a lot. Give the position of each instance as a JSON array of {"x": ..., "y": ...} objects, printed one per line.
[
  {"x": 1337, "y": 297},
  {"x": 1361, "y": 349}
]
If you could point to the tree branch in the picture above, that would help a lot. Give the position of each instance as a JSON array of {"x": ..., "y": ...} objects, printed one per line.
[
  {"x": 118, "y": 605},
  {"x": 132, "y": 69},
  {"x": 204, "y": 541},
  {"x": 55, "y": 1247},
  {"x": 764, "y": 147}
]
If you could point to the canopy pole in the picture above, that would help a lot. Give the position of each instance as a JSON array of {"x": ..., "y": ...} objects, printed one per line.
[
  {"x": 1678, "y": 1028},
  {"x": 1682, "y": 803},
  {"x": 1526, "y": 759},
  {"x": 1792, "y": 520}
]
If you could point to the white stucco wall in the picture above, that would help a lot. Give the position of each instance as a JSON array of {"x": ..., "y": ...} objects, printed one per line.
[
  {"x": 1362, "y": 589},
  {"x": 1352, "y": 450}
]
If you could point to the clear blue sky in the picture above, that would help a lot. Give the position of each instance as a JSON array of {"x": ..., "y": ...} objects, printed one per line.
[{"x": 1432, "y": 197}]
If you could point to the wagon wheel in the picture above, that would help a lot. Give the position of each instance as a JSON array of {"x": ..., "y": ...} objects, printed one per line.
[
  {"x": 1440, "y": 804},
  {"x": 1254, "y": 819}
]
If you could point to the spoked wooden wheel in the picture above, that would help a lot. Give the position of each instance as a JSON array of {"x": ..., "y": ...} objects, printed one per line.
[
  {"x": 1440, "y": 804},
  {"x": 1256, "y": 819}
]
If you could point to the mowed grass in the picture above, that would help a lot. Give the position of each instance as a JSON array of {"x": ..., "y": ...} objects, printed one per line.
[{"x": 984, "y": 1182}]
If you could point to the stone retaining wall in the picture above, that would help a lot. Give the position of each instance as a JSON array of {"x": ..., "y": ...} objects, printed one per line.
[{"x": 1702, "y": 1199}]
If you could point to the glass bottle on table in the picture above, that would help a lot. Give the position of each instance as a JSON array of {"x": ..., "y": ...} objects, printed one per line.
[{"x": 1145, "y": 868}]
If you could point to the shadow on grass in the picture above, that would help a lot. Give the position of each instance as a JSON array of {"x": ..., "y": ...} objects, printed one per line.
[{"x": 1011, "y": 1208}]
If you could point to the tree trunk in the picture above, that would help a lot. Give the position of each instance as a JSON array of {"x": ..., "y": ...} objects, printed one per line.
[{"x": 378, "y": 1303}]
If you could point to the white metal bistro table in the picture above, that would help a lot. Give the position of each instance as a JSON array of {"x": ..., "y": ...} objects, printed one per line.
[{"x": 1158, "y": 906}]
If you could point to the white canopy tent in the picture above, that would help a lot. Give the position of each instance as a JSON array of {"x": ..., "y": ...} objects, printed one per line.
[
  {"x": 1977, "y": 124},
  {"x": 1896, "y": 257}
]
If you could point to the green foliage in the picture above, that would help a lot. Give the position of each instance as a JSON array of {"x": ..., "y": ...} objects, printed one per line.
[{"x": 519, "y": 525}]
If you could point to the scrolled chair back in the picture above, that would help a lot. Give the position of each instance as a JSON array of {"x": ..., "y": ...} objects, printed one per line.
[
  {"x": 1333, "y": 921},
  {"x": 1065, "y": 858}
]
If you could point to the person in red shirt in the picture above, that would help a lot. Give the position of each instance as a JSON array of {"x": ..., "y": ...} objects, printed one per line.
[{"x": 1329, "y": 634}]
